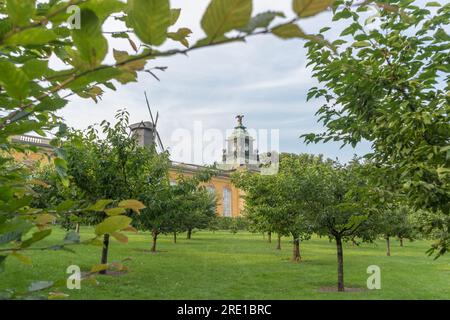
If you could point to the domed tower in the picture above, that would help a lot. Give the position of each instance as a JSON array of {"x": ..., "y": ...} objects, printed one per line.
[{"x": 240, "y": 151}]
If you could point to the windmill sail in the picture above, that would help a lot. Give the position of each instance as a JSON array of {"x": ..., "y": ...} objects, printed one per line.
[{"x": 154, "y": 123}]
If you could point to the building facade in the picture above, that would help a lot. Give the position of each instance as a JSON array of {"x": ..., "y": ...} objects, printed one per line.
[{"x": 238, "y": 155}]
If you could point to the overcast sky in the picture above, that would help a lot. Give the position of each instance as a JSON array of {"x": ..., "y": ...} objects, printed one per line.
[{"x": 265, "y": 79}]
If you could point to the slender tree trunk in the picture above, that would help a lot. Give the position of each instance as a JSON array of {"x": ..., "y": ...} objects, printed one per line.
[
  {"x": 388, "y": 247},
  {"x": 77, "y": 228},
  {"x": 105, "y": 248},
  {"x": 340, "y": 269},
  {"x": 279, "y": 242},
  {"x": 296, "y": 257},
  {"x": 154, "y": 238},
  {"x": 269, "y": 236},
  {"x": 401, "y": 242},
  {"x": 174, "y": 237},
  {"x": 189, "y": 234}
]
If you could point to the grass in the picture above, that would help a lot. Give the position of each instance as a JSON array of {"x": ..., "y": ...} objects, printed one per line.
[{"x": 242, "y": 266}]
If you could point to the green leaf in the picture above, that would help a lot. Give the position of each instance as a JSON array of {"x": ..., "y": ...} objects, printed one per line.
[
  {"x": 44, "y": 219},
  {"x": 222, "y": 16},
  {"x": 65, "y": 206},
  {"x": 261, "y": 20},
  {"x": 89, "y": 40},
  {"x": 99, "y": 267},
  {"x": 20, "y": 11},
  {"x": 351, "y": 29},
  {"x": 37, "y": 236},
  {"x": 57, "y": 295},
  {"x": 150, "y": 20},
  {"x": 61, "y": 169},
  {"x": 50, "y": 104},
  {"x": 15, "y": 225},
  {"x": 180, "y": 36},
  {"x": 134, "y": 205},
  {"x": 115, "y": 211},
  {"x": 98, "y": 76},
  {"x": 112, "y": 224},
  {"x": 14, "y": 80},
  {"x": 355, "y": 221},
  {"x": 174, "y": 15},
  {"x": 433, "y": 4},
  {"x": 34, "y": 36},
  {"x": 35, "y": 69},
  {"x": 308, "y": 8},
  {"x": 22, "y": 127},
  {"x": 288, "y": 31},
  {"x": 104, "y": 8},
  {"x": 344, "y": 14},
  {"x": 100, "y": 205},
  {"x": 361, "y": 44},
  {"x": 120, "y": 237},
  {"x": 22, "y": 258}
]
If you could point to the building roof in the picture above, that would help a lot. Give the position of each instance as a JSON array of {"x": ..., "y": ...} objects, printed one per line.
[
  {"x": 33, "y": 141},
  {"x": 45, "y": 143}
]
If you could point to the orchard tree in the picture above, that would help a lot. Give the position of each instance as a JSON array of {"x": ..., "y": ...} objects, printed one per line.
[
  {"x": 432, "y": 225},
  {"x": 159, "y": 203},
  {"x": 337, "y": 207},
  {"x": 276, "y": 203},
  {"x": 394, "y": 222},
  {"x": 405, "y": 228},
  {"x": 114, "y": 167},
  {"x": 262, "y": 202},
  {"x": 52, "y": 193},
  {"x": 199, "y": 212},
  {"x": 175, "y": 208},
  {"x": 194, "y": 207},
  {"x": 291, "y": 184},
  {"x": 388, "y": 84}
]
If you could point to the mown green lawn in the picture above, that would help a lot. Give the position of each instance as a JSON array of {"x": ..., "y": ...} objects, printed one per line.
[{"x": 242, "y": 266}]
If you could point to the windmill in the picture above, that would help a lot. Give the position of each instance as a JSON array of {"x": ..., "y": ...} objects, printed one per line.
[
  {"x": 154, "y": 123},
  {"x": 146, "y": 132}
]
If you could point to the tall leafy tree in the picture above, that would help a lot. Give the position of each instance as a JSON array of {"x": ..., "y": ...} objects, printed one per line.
[
  {"x": 114, "y": 167},
  {"x": 395, "y": 222},
  {"x": 431, "y": 225},
  {"x": 174, "y": 208},
  {"x": 338, "y": 207},
  {"x": 194, "y": 206},
  {"x": 276, "y": 203},
  {"x": 388, "y": 85}
]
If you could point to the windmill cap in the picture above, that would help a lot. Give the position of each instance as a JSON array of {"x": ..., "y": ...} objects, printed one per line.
[{"x": 142, "y": 125}]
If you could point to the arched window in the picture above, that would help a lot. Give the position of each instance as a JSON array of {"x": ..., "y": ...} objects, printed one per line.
[{"x": 227, "y": 203}]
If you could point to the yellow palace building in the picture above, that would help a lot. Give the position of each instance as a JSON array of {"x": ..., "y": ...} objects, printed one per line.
[{"x": 239, "y": 154}]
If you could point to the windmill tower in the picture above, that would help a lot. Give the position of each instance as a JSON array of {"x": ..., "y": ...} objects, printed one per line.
[{"x": 146, "y": 132}]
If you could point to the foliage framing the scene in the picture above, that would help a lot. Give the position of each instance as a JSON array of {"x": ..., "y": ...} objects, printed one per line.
[
  {"x": 35, "y": 36},
  {"x": 388, "y": 84}
]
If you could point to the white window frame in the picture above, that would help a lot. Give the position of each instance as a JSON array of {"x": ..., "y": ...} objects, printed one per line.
[{"x": 227, "y": 203}]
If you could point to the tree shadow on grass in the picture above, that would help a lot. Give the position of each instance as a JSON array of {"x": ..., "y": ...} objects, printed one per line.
[
  {"x": 149, "y": 251},
  {"x": 347, "y": 289},
  {"x": 111, "y": 273}
]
